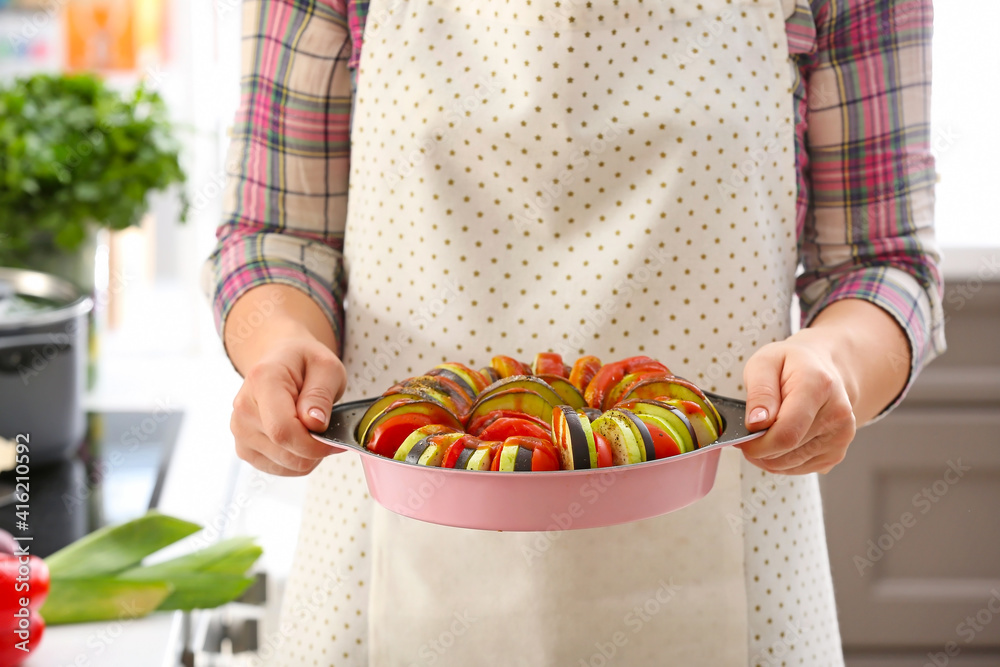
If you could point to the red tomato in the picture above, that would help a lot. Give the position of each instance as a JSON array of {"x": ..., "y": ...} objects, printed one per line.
[
  {"x": 664, "y": 444},
  {"x": 390, "y": 434},
  {"x": 508, "y": 366},
  {"x": 604, "y": 458},
  {"x": 21, "y": 577},
  {"x": 549, "y": 363},
  {"x": 495, "y": 463},
  {"x": 583, "y": 372},
  {"x": 543, "y": 453},
  {"x": 481, "y": 422},
  {"x": 456, "y": 448},
  {"x": 611, "y": 374},
  {"x": 621, "y": 389},
  {"x": 504, "y": 427},
  {"x": 633, "y": 364},
  {"x": 602, "y": 382},
  {"x": 545, "y": 457}
]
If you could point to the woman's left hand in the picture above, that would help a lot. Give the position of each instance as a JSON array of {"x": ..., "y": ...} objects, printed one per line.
[{"x": 797, "y": 391}]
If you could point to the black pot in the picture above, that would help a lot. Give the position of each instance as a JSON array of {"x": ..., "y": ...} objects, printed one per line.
[{"x": 44, "y": 332}]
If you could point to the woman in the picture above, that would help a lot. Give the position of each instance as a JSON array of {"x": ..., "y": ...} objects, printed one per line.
[{"x": 608, "y": 178}]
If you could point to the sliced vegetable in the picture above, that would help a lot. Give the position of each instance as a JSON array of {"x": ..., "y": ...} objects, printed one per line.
[
  {"x": 418, "y": 435},
  {"x": 675, "y": 422},
  {"x": 572, "y": 435},
  {"x": 643, "y": 437},
  {"x": 508, "y": 366},
  {"x": 481, "y": 422},
  {"x": 474, "y": 379},
  {"x": 665, "y": 440},
  {"x": 482, "y": 459},
  {"x": 568, "y": 394},
  {"x": 517, "y": 400},
  {"x": 616, "y": 429},
  {"x": 604, "y": 457},
  {"x": 505, "y": 427},
  {"x": 674, "y": 387},
  {"x": 388, "y": 431},
  {"x": 395, "y": 396},
  {"x": 537, "y": 385},
  {"x": 583, "y": 372},
  {"x": 548, "y": 363},
  {"x": 702, "y": 425}
]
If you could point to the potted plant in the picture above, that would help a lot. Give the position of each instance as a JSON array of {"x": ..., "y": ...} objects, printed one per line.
[{"x": 76, "y": 155}]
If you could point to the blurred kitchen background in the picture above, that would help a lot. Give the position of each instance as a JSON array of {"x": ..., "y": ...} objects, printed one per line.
[{"x": 157, "y": 371}]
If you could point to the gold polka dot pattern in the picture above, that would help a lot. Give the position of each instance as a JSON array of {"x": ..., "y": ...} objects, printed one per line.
[{"x": 608, "y": 178}]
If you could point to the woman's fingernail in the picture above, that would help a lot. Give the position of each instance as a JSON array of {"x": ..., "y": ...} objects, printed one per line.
[
  {"x": 317, "y": 414},
  {"x": 758, "y": 415}
]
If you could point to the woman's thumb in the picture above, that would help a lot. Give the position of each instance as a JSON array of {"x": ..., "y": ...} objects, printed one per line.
[
  {"x": 321, "y": 387},
  {"x": 762, "y": 378}
]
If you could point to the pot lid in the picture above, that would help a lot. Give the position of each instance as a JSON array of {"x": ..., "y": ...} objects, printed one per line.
[{"x": 31, "y": 298}]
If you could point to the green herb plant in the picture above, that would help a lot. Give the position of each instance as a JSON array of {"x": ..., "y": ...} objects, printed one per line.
[{"x": 75, "y": 152}]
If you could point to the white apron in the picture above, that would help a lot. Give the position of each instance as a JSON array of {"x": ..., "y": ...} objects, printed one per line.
[{"x": 608, "y": 178}]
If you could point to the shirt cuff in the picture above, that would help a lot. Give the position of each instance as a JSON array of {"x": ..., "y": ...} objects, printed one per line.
[
  {"x": 240, "y": 264},
  {"x": 917, "y": 310}
]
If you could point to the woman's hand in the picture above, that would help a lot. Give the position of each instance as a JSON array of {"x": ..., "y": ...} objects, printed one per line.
[
  {"x": 284, "y": 395},
  {"x": 813, "y": 389},
  {"x": 795, "y": 388},
  {"x": 292, "y": 378}
]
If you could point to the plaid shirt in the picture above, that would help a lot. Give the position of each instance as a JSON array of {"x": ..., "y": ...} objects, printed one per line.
[{"x": 865, "y": 172}]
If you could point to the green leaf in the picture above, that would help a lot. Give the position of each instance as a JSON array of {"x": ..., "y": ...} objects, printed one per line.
[
  {"x": 205, "y": 578},
  {"x": 101, "y": 599},
  {"x": 232, "y": 556},
  {"x": 204, "y": 590},
  {"x": 236, "y": 562},
  {"x": 114, "y": 549}
]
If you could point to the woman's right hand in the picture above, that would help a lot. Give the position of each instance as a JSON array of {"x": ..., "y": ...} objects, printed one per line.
[{"x": 292, "y": 378}]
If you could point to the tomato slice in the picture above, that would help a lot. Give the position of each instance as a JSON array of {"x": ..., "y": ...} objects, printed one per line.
[
  {"x": 495, "y": 464},
  {"x": 549, "y": 363},
  {"x": 664, "y": 444},
  {"x": 545, "y": 457},
  {"x": 629, "y": 381},
  {"x": 476, "y": 426},
  {"x": 604, "y": 458},
  {"x": 543, "y": 454},
  {"x": 504, "y": 427},
  {"x": 508, "y": 366},
  {"x": 390, "y": 434},
  {"x": 602, "y": 382},
  {"x": 456, "y": 448},
  {"x": 633, "y": 364},
  {"x": 583, "y": 372}
]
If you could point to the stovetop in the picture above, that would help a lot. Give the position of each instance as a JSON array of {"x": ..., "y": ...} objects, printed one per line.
[{"x": 116, "y": 475}]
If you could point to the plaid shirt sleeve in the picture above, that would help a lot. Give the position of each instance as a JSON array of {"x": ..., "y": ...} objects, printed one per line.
[
  {"x": 862, "y": 97},
  {"x": 285, "y": 201},
  {"x": 866, "y": 174}
]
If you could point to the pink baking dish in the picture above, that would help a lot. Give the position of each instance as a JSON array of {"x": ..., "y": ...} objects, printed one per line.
[{"x": 539, "y": 501}]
